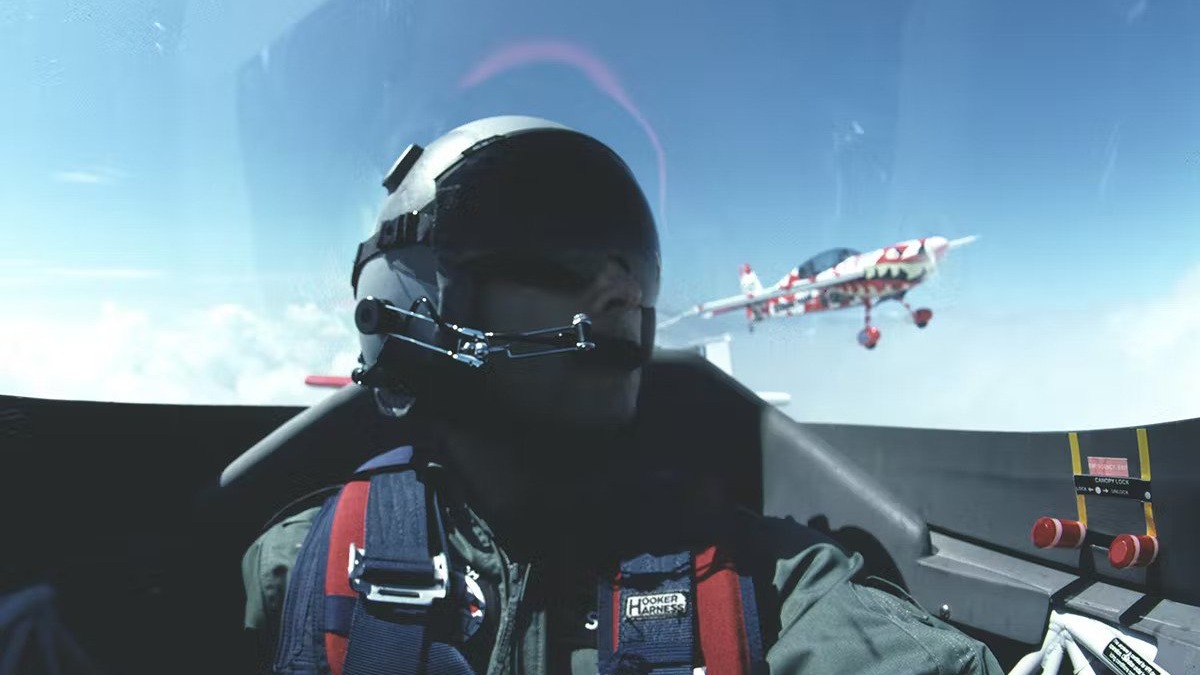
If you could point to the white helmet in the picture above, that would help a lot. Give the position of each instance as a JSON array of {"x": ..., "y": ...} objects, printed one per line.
[{"x": 511, "y": 195}]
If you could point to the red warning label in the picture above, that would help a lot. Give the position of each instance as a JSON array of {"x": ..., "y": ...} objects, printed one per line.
[{"x": 1116, "y": 467}]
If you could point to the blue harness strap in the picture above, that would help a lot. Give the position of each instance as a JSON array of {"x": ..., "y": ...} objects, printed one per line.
[
  {"x": 655, "y": 625},
  {"x": 659, "y": 627},
  {"x": 299, "y": 650},
  {"x": 663, "y": 615},
  {"x": 399, "y": 580},
  {"x": 396, "y": 458},
  {"x": 752, "y": 626},
  {"x": 388, "y": 620}
]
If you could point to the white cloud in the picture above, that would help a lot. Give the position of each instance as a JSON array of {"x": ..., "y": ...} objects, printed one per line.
[
  {"x": 78, "y": 177},
  {"x": 103, "y": 273},
  {"x": 223, "y": 354},
  {"x": 31, "y": 273},
  {"x": 1136, "y": 10},
  {"x": 93, "y": 176}
]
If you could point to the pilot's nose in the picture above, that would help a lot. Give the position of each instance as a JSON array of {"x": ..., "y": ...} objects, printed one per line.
[{"x": 614, "y": 289}]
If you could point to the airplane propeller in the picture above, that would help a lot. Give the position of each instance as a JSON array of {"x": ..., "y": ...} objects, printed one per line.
[
  {"x": 961, "y": 241},
  {"x": 935, "y": 262}
]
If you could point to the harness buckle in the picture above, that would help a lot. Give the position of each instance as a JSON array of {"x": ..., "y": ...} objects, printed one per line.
[{"x": 390, "y": 582}]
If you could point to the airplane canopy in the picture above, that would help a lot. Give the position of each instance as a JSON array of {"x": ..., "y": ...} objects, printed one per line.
[{"x": 824, "y": 260}]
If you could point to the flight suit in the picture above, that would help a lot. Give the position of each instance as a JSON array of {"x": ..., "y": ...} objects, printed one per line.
[{"x": 816, "y": 619}]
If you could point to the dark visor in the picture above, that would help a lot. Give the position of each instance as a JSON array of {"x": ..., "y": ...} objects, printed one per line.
[{"x": 549, "y": 208}]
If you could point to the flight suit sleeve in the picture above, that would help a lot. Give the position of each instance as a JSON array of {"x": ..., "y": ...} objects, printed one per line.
[
  {"x": 829, "y": 624},
  {"x": 266, "y": 567}
]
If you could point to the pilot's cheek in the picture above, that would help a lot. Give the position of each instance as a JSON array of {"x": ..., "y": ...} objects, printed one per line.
[{"x": 614, "y": 292}]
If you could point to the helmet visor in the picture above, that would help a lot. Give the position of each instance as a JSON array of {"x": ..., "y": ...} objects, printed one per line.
[{"x": 549, "y": 209}]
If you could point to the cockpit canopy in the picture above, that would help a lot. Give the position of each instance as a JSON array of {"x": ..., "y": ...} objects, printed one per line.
[{"x": 824, "y": 260}]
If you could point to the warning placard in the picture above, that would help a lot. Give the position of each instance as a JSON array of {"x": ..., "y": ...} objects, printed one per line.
[
  {"x": 1124, "y": 660},
  {"x": 1108, "y": 466}
]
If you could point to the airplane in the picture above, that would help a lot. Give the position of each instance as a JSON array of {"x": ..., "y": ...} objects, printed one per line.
[{"x": 836, "y": 279}]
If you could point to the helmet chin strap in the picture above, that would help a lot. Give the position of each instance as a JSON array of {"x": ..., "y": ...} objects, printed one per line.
[{"x": 473, "y": 348}]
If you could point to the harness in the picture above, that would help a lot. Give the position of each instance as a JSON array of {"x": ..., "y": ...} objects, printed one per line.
[{"x": 375, "y": 591}]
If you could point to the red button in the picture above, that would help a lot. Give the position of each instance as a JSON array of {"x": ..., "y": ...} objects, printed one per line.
[
  {"x": 1132, "y": 550},
  {"x": 1058, "y": 533}
]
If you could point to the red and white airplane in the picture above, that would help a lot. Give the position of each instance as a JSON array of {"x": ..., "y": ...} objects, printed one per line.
[{"x": 837, "y": 279}]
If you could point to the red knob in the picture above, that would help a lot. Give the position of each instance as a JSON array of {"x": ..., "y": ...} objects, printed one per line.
[
  {"x": 1132, "y": 550},
  {"x": 1058, "y": 533}
]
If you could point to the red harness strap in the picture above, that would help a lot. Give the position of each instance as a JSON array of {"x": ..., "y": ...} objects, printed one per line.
[
  {"x": 720, "y": 613},
  {"x": 349, "y": 525}
]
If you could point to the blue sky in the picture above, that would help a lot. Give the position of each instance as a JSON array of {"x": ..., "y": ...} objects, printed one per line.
[{"x": 163, "y": 158}]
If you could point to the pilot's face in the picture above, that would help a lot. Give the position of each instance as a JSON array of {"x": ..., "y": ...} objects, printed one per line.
[{"x": 558, "y": 388}]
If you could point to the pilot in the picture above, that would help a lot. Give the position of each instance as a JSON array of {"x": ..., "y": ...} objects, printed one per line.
[{"x": 506, "y": 305}]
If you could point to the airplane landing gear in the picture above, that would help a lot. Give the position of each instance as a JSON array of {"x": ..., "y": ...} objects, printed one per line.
[
  {"x": 869, "y": 337},
  {"x": 920, "y": 317}
]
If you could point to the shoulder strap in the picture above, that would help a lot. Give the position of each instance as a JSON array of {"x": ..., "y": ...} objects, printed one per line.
[
  {"x": 383, "y": 584},
  {"x": 650, "y": 612},
  {"x": 349, "y": 526},
  {"x": 730, "y": 633},
  {"x": 349, "y": 529},
  {"x": 296, "y": 653},
  {"x": 650, "y": 617}
]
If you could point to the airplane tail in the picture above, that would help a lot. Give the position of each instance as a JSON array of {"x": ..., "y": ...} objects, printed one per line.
[{"x": 750, "y": 283}]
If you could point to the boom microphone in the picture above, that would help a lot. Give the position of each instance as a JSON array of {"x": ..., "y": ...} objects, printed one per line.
[{"x": 374, "y": 316}]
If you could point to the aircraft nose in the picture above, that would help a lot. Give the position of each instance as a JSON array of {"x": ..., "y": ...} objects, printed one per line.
[
  {"x": 955, "y": 243},
  {"x": 936, "y": 248}
]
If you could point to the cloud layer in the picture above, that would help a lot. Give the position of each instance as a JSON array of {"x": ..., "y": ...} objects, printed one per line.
[
  {"x": 1126, "y": 364},
  {"x": 218, "y": 355}
]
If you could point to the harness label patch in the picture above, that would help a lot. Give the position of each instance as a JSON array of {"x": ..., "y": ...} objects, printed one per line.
[
  {"x": 1128, "y": 662},
  {"x": 656, "y": 606}
]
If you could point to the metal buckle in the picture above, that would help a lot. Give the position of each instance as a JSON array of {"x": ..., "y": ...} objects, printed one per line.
[{"x": 400, "y": 595}]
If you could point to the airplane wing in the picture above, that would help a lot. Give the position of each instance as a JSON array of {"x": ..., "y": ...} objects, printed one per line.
[{"x": 736, "y": 302}]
